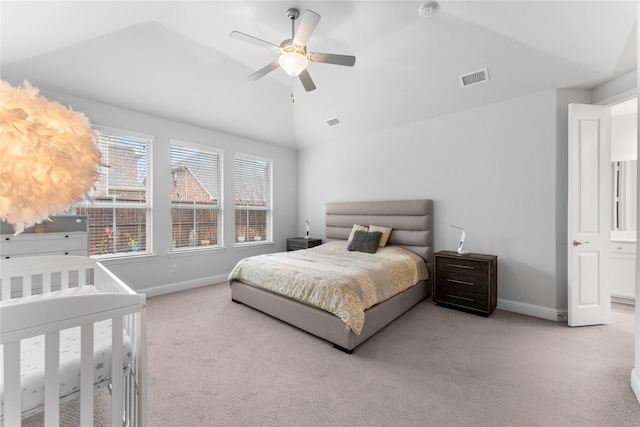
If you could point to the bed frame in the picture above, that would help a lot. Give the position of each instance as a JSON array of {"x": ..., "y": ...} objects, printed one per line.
[
  {"x": 22, "y": 318},
  {"x": 411, "y": 221}
]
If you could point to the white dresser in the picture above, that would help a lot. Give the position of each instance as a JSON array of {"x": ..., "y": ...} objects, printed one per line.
[
  {"x": 65, "y": 235},
  {"x": 623, "y": 268}
]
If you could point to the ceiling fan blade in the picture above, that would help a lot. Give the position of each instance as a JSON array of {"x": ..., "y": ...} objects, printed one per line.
[
  {"x": 331, "y": 58},
  {"x": 254, "y": 40},
  {"x": 265, "y": 70},
  {"x": 308, "y": 23},
  {"x": 306, "y": 81}
]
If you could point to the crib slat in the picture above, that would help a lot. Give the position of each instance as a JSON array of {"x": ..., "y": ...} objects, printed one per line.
[
  {"x": 46, "y": 282},
  {"x": 82, "y": 277},
  {"x": 117, "y": 353},
  {"x": 64, "y": 279},
  {"x": 26, "y": 285},
  {"x": 6, "y": 288},
  {"x": 12, "y": 398},
  {"x": 86, "y": 375},
  {"x": 52, "y": 378}
]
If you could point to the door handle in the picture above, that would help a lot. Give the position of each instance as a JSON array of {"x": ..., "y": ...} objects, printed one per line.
[{"x": 576, "y": 243}]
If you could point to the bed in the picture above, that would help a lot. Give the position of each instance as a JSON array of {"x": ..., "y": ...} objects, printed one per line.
[
  {"x": 69, "y": 326},
  {"x": 411, "y": 224}
]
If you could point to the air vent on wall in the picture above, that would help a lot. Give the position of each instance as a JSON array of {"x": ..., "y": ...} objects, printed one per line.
[
  {"x": 333, "y": 122},
  {"x": 474, "y": 78}
]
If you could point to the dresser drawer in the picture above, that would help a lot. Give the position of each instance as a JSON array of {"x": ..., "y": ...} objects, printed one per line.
[
  {"x": 623, "y": 248},
  {"x": 463, "y": 298},
  {"x": 82, "y": 252},
  {"x": 45, "y": 243}
]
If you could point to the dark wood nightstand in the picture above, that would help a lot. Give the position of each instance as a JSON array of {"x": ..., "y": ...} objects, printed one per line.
[
  {"x": 468, "y": 282},
  {"x": 295, "y": 243}
]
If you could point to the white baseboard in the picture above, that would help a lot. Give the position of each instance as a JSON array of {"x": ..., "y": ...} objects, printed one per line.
[
  {"x": 503, "y": 304},
  {"x": 622, "y": 299},
  {"x": 635, "y": 383},
  {"x": 182, "y": 286},
  {"x": 533, "y": 310}
]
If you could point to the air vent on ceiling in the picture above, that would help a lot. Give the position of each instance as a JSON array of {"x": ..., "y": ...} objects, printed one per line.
[
  {"x": 333, "y": 122},
  {"x": 474, "y": 78}
]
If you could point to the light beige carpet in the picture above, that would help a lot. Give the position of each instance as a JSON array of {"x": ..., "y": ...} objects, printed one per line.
[{"x": 216, "y": 363}]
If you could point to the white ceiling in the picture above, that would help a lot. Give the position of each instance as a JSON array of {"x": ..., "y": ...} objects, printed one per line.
[{"x": 176, "y": 59}]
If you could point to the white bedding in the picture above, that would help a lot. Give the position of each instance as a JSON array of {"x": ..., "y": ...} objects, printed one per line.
[{"x": 32, "y": 357}]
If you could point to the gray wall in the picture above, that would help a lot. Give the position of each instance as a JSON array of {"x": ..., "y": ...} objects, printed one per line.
[
  {"x": 499, "y": 171},
  {"x": 152, "y": 273}
]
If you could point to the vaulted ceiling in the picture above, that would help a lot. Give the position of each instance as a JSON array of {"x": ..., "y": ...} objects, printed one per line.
[{"x": 175, "y": 58}]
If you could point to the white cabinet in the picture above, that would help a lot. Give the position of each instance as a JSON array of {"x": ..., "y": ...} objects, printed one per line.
[
  {"x": 65, "y": 235},
  {"x": 623, "y": 271}
]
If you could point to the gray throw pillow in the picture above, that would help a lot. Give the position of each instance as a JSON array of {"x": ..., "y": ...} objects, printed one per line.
[{"x": 365, "y": 241}]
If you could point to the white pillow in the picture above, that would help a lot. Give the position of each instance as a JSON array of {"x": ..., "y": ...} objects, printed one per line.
[
  {"x": 355, "y": 228},
  {"x": 386, "y": 232}
]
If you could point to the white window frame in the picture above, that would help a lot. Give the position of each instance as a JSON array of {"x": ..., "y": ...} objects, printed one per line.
[
  {"x": 147, "y": 205},
  {"x": 268, "y": 209},
  {"x": 220, "y": 208}
]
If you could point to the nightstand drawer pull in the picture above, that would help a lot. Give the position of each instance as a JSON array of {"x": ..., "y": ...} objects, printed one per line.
[
  {"x": 462, "y": 298},
  {"x": 461, "y": 282},
  {"x": 461, "y": 266}
]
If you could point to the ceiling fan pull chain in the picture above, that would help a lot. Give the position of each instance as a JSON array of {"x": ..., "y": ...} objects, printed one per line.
[{"x": 292, "y": 98}]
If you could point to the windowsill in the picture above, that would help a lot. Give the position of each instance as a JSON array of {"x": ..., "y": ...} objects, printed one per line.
[
  {"x": 252, "y": 245},
  {"x": 180, "y": 252},
  {"x": 124, "y": 259}
]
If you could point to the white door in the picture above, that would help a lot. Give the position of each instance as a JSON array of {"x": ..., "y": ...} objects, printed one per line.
[{"x": 589, "y": 222}]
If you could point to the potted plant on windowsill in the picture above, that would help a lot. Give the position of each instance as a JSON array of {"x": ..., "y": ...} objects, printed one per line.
[{"x": 133, "y": 244}]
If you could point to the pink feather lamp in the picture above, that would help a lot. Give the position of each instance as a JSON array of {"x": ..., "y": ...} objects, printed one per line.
[{"x": 48, "y": 156}]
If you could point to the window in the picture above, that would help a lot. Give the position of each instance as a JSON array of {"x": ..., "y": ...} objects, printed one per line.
[
  {"x": 252, "y": 198},
  {"x": 196, "y": 195},
  {"x": 119, "y": 209}
]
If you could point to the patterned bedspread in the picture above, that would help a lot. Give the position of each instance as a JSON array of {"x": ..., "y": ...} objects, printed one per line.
[{"x": 334, "y": 279}]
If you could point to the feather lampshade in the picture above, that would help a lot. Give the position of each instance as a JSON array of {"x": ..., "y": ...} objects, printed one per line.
[{"x": 48, "y": 156}]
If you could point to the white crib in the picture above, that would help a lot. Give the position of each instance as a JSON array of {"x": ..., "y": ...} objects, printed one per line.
[{"x": 45, "y": 298}]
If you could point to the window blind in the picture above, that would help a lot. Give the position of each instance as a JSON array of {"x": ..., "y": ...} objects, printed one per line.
[
  {"x": 196, "y": 195},
  {"x": 252, "y": 198},
  {"x": 119, "y": 209}
]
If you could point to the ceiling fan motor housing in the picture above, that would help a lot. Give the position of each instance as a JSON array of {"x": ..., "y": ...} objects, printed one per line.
[{"x": 293, "y": 13}]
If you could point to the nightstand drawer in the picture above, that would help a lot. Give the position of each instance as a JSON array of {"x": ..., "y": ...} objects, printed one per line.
[
  {"x": 463, "y": 281},
  {"x": 464, "y": 266},
  {"x": 297, "y": 243},
  {"x": 294, "y": 246},
  {"x": 463, "y": 298}
]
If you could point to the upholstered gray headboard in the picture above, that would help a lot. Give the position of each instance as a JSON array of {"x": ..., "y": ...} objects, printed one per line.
[{"x": 411, "y": 221}]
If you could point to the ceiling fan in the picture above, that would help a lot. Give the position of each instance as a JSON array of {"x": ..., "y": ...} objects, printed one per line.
[{"x": 294, "y": 57}]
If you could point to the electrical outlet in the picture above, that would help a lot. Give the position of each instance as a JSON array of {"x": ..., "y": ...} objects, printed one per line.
[{"x": 174, "y": 268}]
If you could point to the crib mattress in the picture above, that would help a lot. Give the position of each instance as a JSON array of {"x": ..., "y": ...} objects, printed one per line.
[{"x": 32, "y": 358}]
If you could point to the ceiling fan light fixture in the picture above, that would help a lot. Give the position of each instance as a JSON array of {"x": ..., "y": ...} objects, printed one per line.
[
  {"x": 293, "y": 63},
  {"x": 294, "y": 57}
]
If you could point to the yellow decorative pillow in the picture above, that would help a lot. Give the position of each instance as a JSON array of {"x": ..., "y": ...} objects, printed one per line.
[
  {"x": 355, "y": 228},
  {"x": 386, "y": 232}
]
